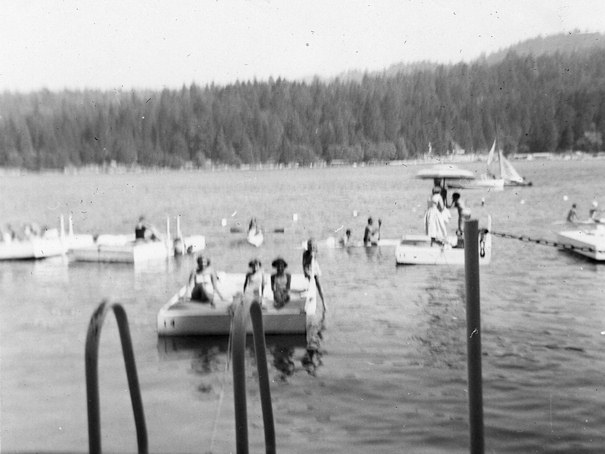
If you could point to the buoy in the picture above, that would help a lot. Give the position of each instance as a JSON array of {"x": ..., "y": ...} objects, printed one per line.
[
  {"x": 295, "y": 217},
  {"x": 482, "y": 201},
  {"x": 354, "y": 213},
  {"x": 565, "y": 198},
  {"x": 234, "y": 213},
  {"x": 522, "y": 202},
  {"x": 223, "y": 222}
]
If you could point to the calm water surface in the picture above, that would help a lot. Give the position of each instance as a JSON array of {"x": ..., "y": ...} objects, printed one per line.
[{"x": 391, "y": 373}]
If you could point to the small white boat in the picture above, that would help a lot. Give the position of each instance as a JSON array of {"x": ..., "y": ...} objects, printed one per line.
[
  {"x": 51, "y": 244},
  {"x": 119, "y": 251},
  {"x": 180, "y": 316},
  {"x": 417, "y": 250},
  {"x": 502, "y": 168},
  {"x": 337, "y": 243},
  {"x": 483, "y": 182},
  {"x": 32, "y": 248},
  {"x": 255, "y": 237},
  {"x": 587, "y": 242}
]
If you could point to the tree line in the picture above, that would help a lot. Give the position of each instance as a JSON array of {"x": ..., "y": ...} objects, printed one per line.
[{"x": 553, "y": 103}]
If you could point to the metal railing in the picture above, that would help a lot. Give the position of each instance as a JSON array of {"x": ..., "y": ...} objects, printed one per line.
[
  {"x": 92, "y": 377},
  {"x": 243, "y": 309}
]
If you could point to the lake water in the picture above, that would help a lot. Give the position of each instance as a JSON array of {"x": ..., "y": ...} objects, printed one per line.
[{"x": 391, "y": 373}]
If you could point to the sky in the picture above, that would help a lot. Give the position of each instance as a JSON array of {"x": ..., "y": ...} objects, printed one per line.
[{"x": 155, "y": 44}]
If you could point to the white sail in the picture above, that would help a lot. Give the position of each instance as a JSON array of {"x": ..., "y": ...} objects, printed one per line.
[
  {"x": 507, "y": 170},
  {"x": 491, "y": 162}
]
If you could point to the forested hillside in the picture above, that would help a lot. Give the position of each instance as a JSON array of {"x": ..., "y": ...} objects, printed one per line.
[{"x": 531, "y": 104}]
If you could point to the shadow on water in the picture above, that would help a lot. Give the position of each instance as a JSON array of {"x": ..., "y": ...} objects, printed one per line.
[{"x": 441, "y": 306}]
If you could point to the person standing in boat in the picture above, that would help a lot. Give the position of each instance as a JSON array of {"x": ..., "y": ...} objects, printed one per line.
[
  {"x": 572, "y": 215},
  {"x": 464, "y": 213},
  {"x": 280, "y": 283},
  {"x": 203, "y": 282},
  {"x": 254, "y": 284},
  {"x": 312, "y": 272},
  {"x": 434, "y": 223},
  {"x": 140, "y": 230}
]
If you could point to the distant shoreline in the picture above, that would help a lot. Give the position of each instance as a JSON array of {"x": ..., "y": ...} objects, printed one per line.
[{"x": 117, "y": 169}]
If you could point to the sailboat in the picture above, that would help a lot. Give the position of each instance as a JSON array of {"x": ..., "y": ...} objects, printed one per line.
[
  {"x": 488, "y": 180},
  {"x": 500, "y": 167}
]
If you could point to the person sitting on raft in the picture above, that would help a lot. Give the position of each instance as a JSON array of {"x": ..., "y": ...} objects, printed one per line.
[
  {"x": 203, "y": 282},
  {"x": 280, "y": 283},
  {"x": 254, "y": 284},
  {"x": 142, "y": 232},
  {"x": 572, "y": 215}
]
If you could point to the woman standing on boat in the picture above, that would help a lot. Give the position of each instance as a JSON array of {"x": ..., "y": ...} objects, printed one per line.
[
  {"x": 203, "y": 282},
  {"x": 434, "y": 223}
]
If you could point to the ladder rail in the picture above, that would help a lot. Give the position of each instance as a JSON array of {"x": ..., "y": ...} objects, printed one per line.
[
  {"x": 244, "y": 309},
  {"x": 92, "y": 376}
]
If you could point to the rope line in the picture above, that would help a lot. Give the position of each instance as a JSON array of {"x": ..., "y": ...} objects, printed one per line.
[
  {"x": 545, "y": 242},
  {"x": 222, "y": 393}
]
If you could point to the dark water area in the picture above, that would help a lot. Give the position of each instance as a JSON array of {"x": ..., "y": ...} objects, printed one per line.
[{"x": 390, "y": 374}]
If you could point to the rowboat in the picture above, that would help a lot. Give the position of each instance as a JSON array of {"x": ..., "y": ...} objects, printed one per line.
[
  {"x": 180, "y": 316},
  {"x": 587, "y": 242},
  {"x": 417, "y": 250}
]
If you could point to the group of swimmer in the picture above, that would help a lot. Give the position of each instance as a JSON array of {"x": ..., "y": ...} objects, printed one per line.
[
  {"x": 594, "y": 214},
  {"x": 203, "y": 281},
  {"x": 27, "y": 232},
  {"x": 437, "y": 214}
]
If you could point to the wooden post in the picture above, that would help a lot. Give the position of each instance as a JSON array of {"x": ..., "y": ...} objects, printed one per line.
[{"x": 473, "y": 335}]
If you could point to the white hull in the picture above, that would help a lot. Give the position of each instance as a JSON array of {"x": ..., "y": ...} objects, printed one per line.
[
  {"x": 589, "y": 243},
  {"x": 32, "y": 249},
  {"x": 129, "y": 252},
  {"x": 181, "y": 316},
  {"x": 483, "y": 182},
  {"x": 417, "y": 250},
  {"x": 336, "y": 243}
]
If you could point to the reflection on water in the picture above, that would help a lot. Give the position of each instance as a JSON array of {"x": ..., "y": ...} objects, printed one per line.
[{"x": 210, "y": 354}]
